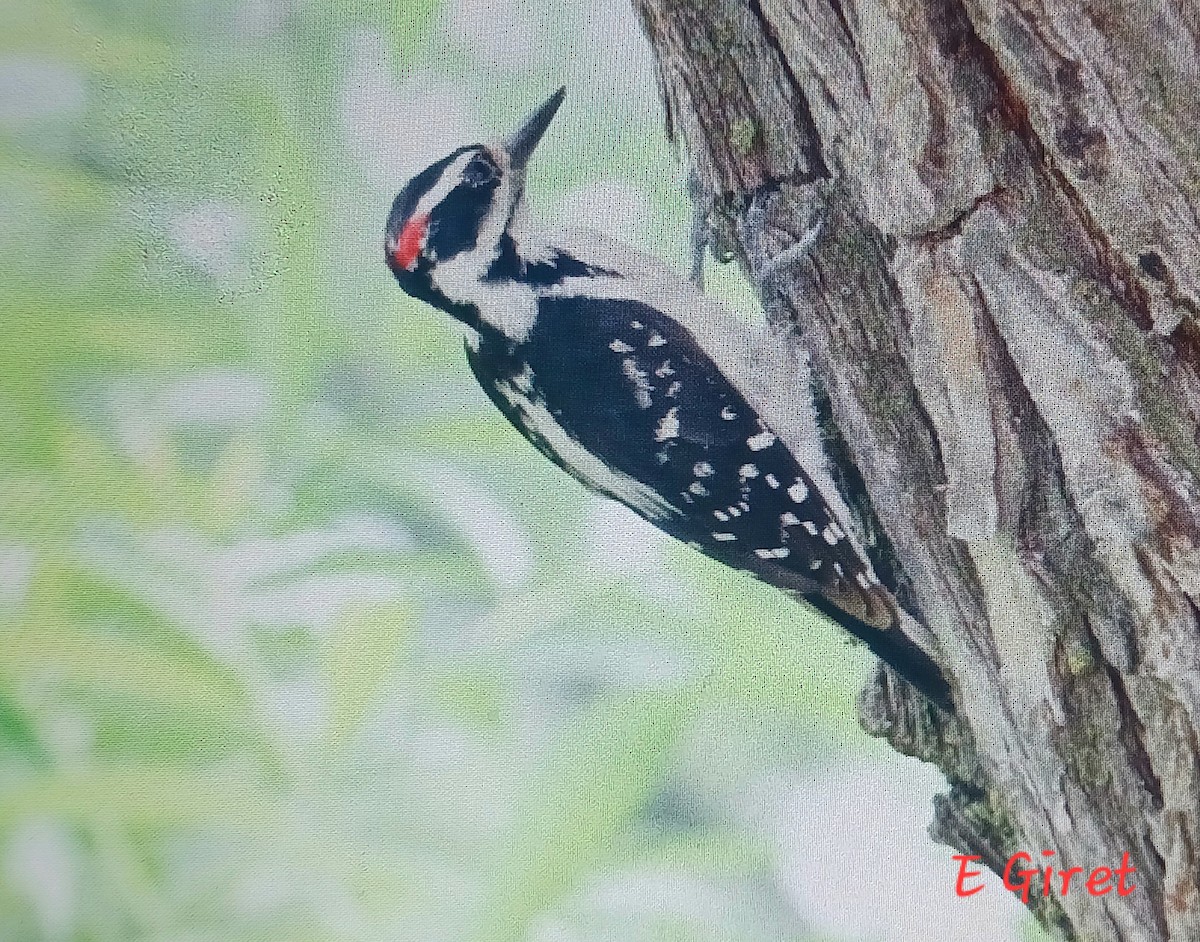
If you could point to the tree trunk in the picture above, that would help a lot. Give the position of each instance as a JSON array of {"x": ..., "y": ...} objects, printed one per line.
[{"x": 1000, "y": 309}]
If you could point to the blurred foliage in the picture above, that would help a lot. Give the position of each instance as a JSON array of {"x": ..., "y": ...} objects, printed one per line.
[{"x": 299, "y": 641}]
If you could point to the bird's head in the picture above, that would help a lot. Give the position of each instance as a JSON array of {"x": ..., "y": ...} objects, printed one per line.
[{"x": 449, "y": 219}]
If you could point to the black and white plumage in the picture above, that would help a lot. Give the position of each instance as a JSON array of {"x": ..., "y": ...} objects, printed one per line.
[{"x": 629, "y": 379}]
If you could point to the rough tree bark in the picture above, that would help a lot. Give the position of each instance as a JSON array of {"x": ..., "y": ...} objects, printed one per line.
[{"x": 1002, "y": 314}]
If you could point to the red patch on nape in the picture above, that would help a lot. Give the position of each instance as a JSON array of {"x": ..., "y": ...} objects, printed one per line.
[{"x": 410, "y": 242}]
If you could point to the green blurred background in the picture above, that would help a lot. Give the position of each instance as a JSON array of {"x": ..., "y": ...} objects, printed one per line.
[{"x": 298, "y": 640}]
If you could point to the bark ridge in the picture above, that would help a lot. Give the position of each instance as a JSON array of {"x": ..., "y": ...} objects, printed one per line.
[{"x": 1002, "y": 316}]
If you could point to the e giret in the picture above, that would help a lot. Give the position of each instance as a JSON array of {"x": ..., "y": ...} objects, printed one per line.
[{"x": 1026, "y": 880}]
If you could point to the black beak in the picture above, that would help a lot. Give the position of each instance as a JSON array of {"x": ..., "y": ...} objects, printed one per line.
[{"x": 521, "y": 145}]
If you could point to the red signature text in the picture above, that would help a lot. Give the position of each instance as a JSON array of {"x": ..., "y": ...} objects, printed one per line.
[{"x": 1026, "y": 880}]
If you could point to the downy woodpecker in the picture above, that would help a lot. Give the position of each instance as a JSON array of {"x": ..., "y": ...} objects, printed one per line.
[{"x": 624, "y": 375}]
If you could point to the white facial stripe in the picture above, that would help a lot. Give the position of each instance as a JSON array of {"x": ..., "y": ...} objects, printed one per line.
[{"x": 450, "y": 178}]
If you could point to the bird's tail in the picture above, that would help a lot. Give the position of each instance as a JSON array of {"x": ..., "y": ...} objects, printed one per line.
[{"x": 896, "y": 649}]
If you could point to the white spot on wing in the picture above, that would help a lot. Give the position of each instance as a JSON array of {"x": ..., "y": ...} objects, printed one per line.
[
  {"x": 728, "y": 414},
  {"x": 698, "y": 489},
  {"x": 724, "y": 537},
  {"x": 641, "y": 386},
  {"x": 664, "y": 370},
  {"x": 798, "y": 492},
  {"x": 779, "y": 552},
  {"x": 789, "y": 519},
  {"x": 702, "y": 469},
  {"x": 748, "y": 471},
  {"x": 620, "y": 346},
  {"x": 763, "y": 439},
  {"x": 450, "y": 178},
  {"x": 668, "y": 427},
  {"x": 657, "y": 340}
]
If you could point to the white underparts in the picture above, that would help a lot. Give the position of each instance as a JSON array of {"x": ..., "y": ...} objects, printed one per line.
[{"x": 587, "y": 467}]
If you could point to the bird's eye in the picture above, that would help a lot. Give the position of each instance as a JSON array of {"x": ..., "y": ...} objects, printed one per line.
[{"x": 479, "y": 172}]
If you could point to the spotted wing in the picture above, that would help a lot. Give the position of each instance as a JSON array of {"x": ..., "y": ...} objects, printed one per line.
[{"x": 633, "y": 387}]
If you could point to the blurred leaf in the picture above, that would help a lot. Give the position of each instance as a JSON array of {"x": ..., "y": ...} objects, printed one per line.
[
  {"x": 361, "y": 655},
  {"x": 140, "y": 795},
  {"x": 108, "y": 666},
  {"x": 472, "y": 695},
  {"x": 603, "y": 773},
  {"x": 151, "y": 664},
  {"x": 17, "y": 733}
]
